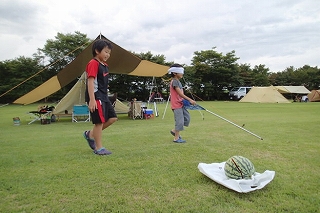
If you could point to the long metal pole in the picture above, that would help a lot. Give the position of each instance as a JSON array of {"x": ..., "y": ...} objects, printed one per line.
[
  {"x": 164, "y": 113},
  {"x": 233, "y": 123}
]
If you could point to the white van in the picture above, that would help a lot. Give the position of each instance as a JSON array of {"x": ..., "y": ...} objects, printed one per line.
[{"x": 238, "y": 92}]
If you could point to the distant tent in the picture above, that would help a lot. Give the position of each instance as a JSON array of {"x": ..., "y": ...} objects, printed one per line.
[
  {"x": 76, "y": 97},
  {"x": 120, "y": 62},
  {"x": 264, "y": 95},
  {"x": 314, "y": 95},
  {"x": 292, "y": 89}
]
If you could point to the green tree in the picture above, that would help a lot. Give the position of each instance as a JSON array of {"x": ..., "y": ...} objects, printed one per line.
[
  {"x": 128, "y": 87},
  {"x": 59, "y": 52},
  {"x": 246, "y": 77},
  {"x": 304, "y": 76},
  {"x": 260, "y": 75},
  {"x": 14, "y": 77},
  {"x": 213, "y": 71},
  {"x": 308, "y": 77},
  {"x": 314, "y": 76},
  {"x": 63, "y": 49}
]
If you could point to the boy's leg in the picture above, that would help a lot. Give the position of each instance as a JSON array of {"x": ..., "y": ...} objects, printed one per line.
[
  {"x": 110, "y": 115},
  {"x": 98, "y": 120},
  {"x": 109, "y": 122},
  {"x": 186, "y": 117},
  {"x": 97, "y": 135},
  {"x": 186, "y": 122},
  {"x": 179, "y": 122},
  {"x": 176, "y": 135}
]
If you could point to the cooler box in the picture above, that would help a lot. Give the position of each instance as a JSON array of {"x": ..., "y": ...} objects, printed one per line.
[{"x": 148, "y": 111}]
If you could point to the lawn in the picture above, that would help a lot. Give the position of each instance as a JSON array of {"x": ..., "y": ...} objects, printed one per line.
[{"x": 50, "y": 168}]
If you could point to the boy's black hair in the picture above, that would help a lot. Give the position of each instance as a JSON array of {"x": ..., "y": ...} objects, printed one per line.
[
  {"x": 99, "y": 45},
  {"x": 175, "y": 65}
]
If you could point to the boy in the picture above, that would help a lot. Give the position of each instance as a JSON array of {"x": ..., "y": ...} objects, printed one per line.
[
  {"x": 101, "y": 110},
  {"x": 181, "y": 115}
]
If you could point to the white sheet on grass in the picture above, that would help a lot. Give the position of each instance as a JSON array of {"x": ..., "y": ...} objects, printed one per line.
[{"x": 215, "y": 171}]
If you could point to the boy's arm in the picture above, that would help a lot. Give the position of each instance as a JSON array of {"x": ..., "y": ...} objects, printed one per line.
[
  {"x": 180, "y": 93},
  {"x": 92, "y": 102}
]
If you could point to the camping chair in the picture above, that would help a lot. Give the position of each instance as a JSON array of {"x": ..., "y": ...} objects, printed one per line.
[
  {"x": 136, "y": 110},
  {"x": 43, "y": 114},
  {"x": 80, "y": 113}
]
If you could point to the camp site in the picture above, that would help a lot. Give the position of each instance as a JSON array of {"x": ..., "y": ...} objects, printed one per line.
[{"x": 47, "y": 166}]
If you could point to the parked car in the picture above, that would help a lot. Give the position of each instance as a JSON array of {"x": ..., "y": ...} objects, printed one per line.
[{"x": 238, "y": 92}]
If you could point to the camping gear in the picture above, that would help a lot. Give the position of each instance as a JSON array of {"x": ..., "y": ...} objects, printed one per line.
[
  {"x": 154, "y": 96},
  {"x": 155, "y": 109},
  {"x": 135, "y": 110},
  {"x": 314, "y": 95},
  {"x": 80, "y": 113},
  {"x": 44, "y": 121},
  {"x": 264, "y": 95},
  {"x": 132, "y": 66},
  {"x": 43, "y": 115},
  {"x": 16, "y": 121},
  {"x": 215, "y": 172},
  {"x": 75, "y": 96},
  {"x": 148, "y": 113},
  {"x": 292, "y": 89},
  {"x": 165, "y": 109}
]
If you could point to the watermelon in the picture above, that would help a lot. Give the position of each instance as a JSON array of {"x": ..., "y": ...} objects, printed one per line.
[{"x": 239, "y": 167}]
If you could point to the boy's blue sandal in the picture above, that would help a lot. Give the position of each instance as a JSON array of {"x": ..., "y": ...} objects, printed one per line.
[
  {"x": 102, "y": 151},
  {"x": 172, "y": 133},
  {"x": 89, "y": 140},
  {"x": 180, "y": 140}
]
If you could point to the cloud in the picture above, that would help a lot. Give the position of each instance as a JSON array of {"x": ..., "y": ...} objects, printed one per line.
[{"x": 278, "y": 34}]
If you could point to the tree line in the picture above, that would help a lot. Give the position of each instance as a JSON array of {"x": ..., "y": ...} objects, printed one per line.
[{"x": 209, "y": 76}]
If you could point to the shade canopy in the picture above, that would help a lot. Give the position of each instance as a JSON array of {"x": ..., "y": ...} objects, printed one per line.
[
  {"x": 121, "y": 61},
  {"x": 292, "y": 89}
]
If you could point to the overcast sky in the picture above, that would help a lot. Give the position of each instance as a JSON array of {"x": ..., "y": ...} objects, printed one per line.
[{"x": 276, "y": 33}]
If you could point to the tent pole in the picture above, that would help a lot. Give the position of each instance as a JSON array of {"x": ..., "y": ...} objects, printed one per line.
[
  {"x": 150, "y": 92},
  {"x": 155, "y": 109},
  {"x": 4, "y": 105},
  {"x": 165, "y": 109}
]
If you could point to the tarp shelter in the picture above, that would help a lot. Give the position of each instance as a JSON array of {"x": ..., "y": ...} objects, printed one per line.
[
  {"x": 314, "y": 95},
  {"x": 264, "y": 95},
  {"x": 75, "y": 96},
  {"x": 292, "y": 89},
  {"x": 121, "y": 61}
]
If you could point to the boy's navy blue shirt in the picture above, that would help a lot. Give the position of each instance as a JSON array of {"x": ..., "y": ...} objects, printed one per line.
[{"x": 100, "y": 72}]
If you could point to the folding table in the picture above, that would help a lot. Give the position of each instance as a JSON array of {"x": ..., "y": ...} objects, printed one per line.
[{"x": 38, "y": 115}]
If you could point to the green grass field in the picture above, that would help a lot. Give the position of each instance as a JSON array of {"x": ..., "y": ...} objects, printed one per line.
[{"x": 50, "y": 168}]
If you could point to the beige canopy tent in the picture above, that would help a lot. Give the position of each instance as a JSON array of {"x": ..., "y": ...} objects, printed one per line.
[
  {"x": 264, "y": 95},
  {"x": 292, "y": 89},
  {"x": 120, "y": 62},
  {"x": 314, "y": 95},
  {"x": 76, "y": 97}
]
